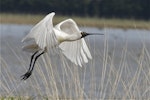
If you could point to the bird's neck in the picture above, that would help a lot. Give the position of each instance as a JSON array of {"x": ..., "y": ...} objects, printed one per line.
[
  {"x": 62, "y": 36},
  {"x": 72, "y": 37}
]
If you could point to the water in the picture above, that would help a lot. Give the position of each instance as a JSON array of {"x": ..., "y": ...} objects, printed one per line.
[{"x": 96, "y": 76}]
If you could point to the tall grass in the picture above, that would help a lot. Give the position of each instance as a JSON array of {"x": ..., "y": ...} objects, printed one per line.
[{"x": 107, "y": 76}]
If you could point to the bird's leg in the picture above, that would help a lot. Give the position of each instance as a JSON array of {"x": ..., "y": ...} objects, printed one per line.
[
  {"x": 29, "y": 72},
  {"x": 31, "y": 60},
  {"x": 36, "y": 59}
]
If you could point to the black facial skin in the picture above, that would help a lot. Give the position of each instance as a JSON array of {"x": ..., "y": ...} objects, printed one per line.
[{"x": 84, "y": 34}]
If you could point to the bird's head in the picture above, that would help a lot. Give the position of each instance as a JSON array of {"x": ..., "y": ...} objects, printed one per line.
[{"x": 84, "y": 34}]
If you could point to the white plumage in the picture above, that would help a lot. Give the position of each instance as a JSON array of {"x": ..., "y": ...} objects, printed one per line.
[{"x": 66, "y": 35}]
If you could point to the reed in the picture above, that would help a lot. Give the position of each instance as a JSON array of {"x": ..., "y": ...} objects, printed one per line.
[{"x": 107, "y": 76}]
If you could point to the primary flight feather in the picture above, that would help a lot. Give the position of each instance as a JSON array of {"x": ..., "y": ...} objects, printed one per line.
[{"x": 66, "y": 35}]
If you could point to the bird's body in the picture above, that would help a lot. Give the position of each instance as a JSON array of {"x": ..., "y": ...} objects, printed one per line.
[{"x": 66, "y": 35}]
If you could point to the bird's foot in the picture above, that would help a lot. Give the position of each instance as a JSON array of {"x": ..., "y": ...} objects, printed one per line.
[{"x": 26, "y": 75}]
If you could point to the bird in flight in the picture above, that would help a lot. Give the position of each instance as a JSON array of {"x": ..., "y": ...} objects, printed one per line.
[{"x": 65, "y": 35}]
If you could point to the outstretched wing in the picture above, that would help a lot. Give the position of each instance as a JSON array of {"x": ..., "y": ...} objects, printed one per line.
[
  {"x": 76, "y": 51},
  {"x": 42, "y": 32},
  {"x": 68, "y": 26}
]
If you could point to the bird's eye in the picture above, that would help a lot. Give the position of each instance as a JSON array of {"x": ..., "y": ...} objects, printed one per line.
[{"x": 83, "y": 33}]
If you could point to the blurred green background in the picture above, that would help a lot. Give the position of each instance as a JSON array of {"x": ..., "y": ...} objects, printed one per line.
[{"x": 131, "y": 9}]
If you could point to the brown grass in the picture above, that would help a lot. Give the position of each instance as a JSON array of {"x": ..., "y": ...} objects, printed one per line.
[
  {"x": 134, "y": 85},
  {"x": 82, "y": 21}
]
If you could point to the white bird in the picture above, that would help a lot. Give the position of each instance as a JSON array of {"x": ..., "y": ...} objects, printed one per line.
[{"x": 65, "y": 35}]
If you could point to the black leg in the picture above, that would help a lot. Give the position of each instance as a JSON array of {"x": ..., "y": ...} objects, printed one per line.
[
  {"x": 29, "y": 72},
  {"x": 31, "y": 60},
  {"x": 35, "y": 60}
]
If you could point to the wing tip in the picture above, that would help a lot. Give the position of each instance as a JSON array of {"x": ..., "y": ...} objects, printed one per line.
[{"x": 52, "y": 14}]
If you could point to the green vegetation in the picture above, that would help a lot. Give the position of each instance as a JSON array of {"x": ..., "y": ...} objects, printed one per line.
[
  {"x": 138, "y": 9},
  {"x": 81, "y": 21}
]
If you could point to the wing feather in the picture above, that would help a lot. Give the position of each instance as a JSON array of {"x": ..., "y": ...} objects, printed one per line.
[
  {"x": 86, "y": 50},
  {"x": 84, "y": 56},
  {"x": 68, "y": 26},
  {"x": 76, "y": 52},
  {"x": 42, "y": 33}
]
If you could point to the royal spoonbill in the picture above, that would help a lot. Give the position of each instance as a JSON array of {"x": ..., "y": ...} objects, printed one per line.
[{"x": 65, "y": 35}]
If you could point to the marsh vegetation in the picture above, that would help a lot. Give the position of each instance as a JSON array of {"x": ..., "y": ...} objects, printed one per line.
[{"x": 119, "y": 68}]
